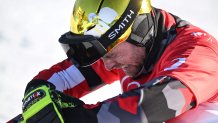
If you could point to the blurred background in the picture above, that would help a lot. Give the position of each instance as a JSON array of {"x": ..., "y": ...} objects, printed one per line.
[{"x": 29, "y": 32}]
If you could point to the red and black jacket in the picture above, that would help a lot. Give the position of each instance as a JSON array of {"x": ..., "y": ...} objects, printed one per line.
[{"x": 181, "y": 66}]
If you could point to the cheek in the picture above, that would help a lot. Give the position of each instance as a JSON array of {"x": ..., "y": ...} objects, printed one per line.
[
  {"x": 125, "y": 58},
  {"x": 135, "y": 58}
]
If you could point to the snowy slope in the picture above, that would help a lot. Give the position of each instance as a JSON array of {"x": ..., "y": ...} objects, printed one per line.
[{"x": 29, "y": 30}]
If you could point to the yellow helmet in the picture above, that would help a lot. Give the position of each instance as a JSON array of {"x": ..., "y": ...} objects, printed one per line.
[{"x": 103, "y": 23}]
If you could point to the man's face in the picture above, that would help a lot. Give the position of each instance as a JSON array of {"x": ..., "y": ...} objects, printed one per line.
[{"x": 126, "y": 56}]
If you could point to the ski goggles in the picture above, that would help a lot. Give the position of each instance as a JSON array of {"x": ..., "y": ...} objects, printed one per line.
[
  {"x": 87, "y": 45},
  {"x": 110, "y": 36}
]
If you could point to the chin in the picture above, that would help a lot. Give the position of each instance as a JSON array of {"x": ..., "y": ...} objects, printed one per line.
[
  {"x": 134, "y": 72},
  {"x": 131, "y": 73}
]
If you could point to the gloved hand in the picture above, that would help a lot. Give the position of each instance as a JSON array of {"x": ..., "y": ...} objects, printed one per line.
[
  {"x": 82, "y": 55},
  {"x": 82, "y": 49},
  {"x": 44, "y": 104}
]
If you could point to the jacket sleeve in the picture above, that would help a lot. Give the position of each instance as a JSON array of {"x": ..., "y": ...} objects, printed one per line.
[
  {"x": 193, "y": 61},
  {"x": 75, "y": 81},
  {"x": 166, "y": 99}
]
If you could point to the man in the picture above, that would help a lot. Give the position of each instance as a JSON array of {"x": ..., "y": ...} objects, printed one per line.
[{"x": 166, "y": 67}]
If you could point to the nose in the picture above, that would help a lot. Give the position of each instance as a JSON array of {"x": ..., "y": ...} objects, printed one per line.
[{"x": 109, "y": 63}]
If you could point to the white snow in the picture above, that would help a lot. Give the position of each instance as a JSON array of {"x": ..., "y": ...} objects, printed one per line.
[{"x": 29, "y": 32}]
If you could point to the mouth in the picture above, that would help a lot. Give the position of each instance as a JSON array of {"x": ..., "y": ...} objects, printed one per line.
[
  {"x": 128, "y": 69},
  {"x": 125, "y": 68},
  {"x": 131, "y": 70}
]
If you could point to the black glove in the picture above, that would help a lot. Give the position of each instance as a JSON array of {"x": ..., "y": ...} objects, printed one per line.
[
  {"x": 82, "y": 55},
  {"x": 82, "y": 49},
  {"x": 44, "y": 104}
]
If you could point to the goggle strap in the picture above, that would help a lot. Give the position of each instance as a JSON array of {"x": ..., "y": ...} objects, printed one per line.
[{"x": 122, "y": 24}]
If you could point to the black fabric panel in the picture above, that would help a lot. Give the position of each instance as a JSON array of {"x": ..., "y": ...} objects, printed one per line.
[
  {"x": 80, "y": 115},
  {"x": 155, "y": 105},
  {"x": 91, "y": 77},
  {"x": 46, "y": 115},
  {"x": 162, "y": 38}
]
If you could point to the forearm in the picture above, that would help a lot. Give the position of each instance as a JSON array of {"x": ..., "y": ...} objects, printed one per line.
[
  {"x": 77, "y": 81},
  {"x": 154, "y": 104},
  {"x": 69, "y": 79}
]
